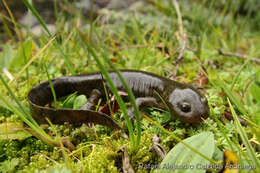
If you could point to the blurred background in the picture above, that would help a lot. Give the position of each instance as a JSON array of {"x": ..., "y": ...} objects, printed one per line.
[{"x": 195, "y": 12}]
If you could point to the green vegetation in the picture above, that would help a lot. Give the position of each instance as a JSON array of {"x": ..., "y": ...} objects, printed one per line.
[{"x": 146, "y": 37}]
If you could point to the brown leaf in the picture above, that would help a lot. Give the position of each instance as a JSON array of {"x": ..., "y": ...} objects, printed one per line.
[
  {"x": 113, "y": 103},
  {"x": 105, "y": 109}
]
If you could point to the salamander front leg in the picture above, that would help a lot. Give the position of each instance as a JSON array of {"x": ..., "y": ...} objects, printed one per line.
[
  {"x": 142, "y": 102},
  {"x": 92, "y": 100}
]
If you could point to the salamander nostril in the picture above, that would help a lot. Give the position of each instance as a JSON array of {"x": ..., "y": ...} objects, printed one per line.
[{"x": 185, "y": 107}]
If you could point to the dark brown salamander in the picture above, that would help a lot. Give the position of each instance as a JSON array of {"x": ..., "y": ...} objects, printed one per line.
[{"x": 183, "y": 100}]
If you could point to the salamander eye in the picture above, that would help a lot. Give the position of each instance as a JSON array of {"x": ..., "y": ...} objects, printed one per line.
[{"x": 185, "y": 107}]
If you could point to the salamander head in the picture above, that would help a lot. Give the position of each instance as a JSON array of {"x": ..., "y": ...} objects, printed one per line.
[{"x": 188, "y": 105}]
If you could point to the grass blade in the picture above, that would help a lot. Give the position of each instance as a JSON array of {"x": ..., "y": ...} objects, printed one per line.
[
  {"x": 32, "y": 59},
  {"x": 113, "y": 89},
  {"x": 232, "y": 97},
  {"x": 36, "y": 129},
  {"x": 222, "y": 130},
  {"x": 36, "y": 14},
  {"x": 129, "y": 91},
  {"x": 52, "y": 89},
  {"x": 16, "y": 100},
  {"x": 24, "y": 115},
  {"x": 244, "y": 138},
  {"x": 239, "y": 72}
]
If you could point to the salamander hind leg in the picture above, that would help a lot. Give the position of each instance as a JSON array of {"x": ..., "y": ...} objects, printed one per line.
[
  {"x": 141, "y": 103},
  {"x": 92, "y": 100}
]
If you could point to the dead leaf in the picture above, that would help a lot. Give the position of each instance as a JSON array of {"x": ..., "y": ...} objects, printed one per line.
[
  {"x": 127, "y": 167},
  {"x": 113, "y": 103},
  {"x": 230, "y": 162},
  {"x": 157, "y": 147}
]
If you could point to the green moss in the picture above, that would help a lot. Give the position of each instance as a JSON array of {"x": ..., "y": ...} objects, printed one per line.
[
  {"x": 3, "y": 144},
  {"x": 105, "y": 157}
]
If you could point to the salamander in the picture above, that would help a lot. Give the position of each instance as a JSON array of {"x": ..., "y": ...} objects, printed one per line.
[{"x": 182, "y": 100}]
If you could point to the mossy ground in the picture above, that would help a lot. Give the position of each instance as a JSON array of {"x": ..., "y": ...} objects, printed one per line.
[{"x": 144, "y": 39}]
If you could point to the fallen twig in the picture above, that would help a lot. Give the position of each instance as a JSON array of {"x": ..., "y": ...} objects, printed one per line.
[{"x": 255, "y": 59}]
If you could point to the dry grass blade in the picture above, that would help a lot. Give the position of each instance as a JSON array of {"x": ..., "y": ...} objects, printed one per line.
[
  {"x": 13, "y": 21},
  {"x": 182, "y": 36},
  {"x": 181, "y": 29},
  {"x": 31, "y": 60},
  {"x": 8, "y": 74}
]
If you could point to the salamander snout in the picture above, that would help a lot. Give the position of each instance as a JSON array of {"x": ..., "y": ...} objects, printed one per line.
[{"x": 188, "y": 105}]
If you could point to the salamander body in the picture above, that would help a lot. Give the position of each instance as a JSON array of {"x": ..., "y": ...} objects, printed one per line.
[{"x": 183, "y": 100}]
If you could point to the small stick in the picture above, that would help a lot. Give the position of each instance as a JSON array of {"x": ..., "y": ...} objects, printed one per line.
[{"x": 255, "y": 59}]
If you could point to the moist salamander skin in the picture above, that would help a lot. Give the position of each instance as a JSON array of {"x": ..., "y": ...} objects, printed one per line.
[{"x": 183, "y": 101}]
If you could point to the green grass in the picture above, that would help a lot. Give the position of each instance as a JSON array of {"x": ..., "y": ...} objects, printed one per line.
[{"x": 145, "y": 40}]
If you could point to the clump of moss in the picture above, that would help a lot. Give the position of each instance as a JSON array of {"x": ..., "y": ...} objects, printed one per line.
[
  {"x": 2, "y": 149},
  {"x": 39, "y": 161},
  {"x": 23, "y": 150},
  {"x": 143, "y": 155},
  {"x": 103, "y": 156}
]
